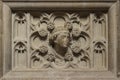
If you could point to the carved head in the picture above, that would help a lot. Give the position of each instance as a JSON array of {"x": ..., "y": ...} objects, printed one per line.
[
  {"x": 60, "y": 36},
  {"x": 62, "y": 39}
]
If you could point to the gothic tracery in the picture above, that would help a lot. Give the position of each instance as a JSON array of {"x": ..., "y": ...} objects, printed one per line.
[{"x": 60, "y": 40}]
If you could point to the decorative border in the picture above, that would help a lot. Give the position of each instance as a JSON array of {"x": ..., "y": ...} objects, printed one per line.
[{"x": 110, "y": 74}]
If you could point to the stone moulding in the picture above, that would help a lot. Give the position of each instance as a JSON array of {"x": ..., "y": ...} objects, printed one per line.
[
  {"x": 60, "y": 0},
  {"x": 20, "y": 44}
]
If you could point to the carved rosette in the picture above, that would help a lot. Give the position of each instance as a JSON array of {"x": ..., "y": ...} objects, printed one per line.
[
  {"x": 76, "y": 33},
  {"x": 50, "y": 26},
  {"x": 60, "y": 40},
  {"x": 75, "y": 47}
]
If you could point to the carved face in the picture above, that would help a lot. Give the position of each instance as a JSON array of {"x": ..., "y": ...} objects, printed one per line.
[{"x": 63, "y": 39}]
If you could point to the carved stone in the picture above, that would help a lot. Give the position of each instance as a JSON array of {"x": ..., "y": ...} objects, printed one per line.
[{"x": 60, "y": 40}]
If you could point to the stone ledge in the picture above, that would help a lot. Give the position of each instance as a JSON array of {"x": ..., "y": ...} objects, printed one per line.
[{"x": 60, "y": 0}]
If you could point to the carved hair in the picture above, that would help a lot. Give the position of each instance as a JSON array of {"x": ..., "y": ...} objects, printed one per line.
[{"x": 53, "y": 38}]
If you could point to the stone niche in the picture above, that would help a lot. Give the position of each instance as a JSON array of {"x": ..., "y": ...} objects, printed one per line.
[{"x": 60, "y": 40}]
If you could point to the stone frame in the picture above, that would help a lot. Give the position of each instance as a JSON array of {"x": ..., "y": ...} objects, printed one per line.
[{"x": 111, "y": 73}]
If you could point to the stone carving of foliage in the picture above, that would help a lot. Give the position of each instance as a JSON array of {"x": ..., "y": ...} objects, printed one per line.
[
  {"x": 50, "y": 26},
  {"x": 61, "y": 40},
  {"x": 58, "y": 59}
]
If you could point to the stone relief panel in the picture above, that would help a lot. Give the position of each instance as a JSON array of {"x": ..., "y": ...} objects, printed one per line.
[{"x": 59, "y": 40}]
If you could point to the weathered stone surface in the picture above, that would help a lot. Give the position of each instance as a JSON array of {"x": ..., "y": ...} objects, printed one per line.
[
  {"x": 63, "y": 0},
  {"x": 1, "y": 61},
  {"x": 46, "y": 41}
]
